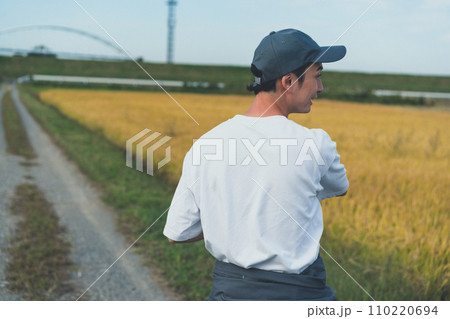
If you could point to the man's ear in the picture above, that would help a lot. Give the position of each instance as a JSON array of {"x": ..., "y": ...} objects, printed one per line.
[{"x": 286, "y": 81}]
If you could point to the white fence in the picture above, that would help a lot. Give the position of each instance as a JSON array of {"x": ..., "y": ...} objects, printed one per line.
[
  {"x": 427, "y": 95},
  {"x": 86, "y": 80}
]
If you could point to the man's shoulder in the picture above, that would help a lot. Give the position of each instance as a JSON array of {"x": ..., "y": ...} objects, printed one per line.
[
  {"x": 315, "y": 133},
  {"x": 319, "y": 133},
  {"x": 220, "y": 129},
  {"x": 239, "y": 124}
]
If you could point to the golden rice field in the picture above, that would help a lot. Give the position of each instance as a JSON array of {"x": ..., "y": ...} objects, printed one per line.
[{"x": 397, "y": 159}]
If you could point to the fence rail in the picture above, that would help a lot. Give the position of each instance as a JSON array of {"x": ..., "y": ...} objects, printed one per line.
[
  {"x": 417, "y": 94},
  {"x": 86, "y": 80}
]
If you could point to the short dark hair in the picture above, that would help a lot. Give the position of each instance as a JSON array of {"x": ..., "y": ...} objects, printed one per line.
[{"x": 271, "y": 85}]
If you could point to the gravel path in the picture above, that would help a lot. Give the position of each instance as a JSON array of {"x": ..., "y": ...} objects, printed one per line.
[{"x": 89, "y": 223}]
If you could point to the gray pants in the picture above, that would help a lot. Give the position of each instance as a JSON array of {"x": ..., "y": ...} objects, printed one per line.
[{"x": 231, "y": 282}]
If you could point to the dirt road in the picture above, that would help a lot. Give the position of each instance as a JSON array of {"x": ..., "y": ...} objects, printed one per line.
[{"x": 89, "y": 223}]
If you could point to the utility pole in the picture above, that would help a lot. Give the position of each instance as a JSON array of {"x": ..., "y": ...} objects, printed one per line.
[{"x": 171, "y": 27}]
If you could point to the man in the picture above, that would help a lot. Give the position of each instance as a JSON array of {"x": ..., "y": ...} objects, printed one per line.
[{"x": 251, "y": 187}]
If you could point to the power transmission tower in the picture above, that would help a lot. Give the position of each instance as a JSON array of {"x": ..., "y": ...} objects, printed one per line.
[{"x": 171, "y": 27}]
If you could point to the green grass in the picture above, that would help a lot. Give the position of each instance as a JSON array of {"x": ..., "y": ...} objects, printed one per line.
[
  {"x": 235, "y": 78},
  {"x": 382, "y": 275},
  {"x": 141, "y": 199},
  {"x": 15, "y": 134},
  {"x": 39, "y": 262},
  {"x": 351, "y": 86}
]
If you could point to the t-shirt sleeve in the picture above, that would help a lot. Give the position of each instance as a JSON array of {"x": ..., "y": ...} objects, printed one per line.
[
  {"x": 334, "y": 178},
  {"x": 183, "y": 219}
]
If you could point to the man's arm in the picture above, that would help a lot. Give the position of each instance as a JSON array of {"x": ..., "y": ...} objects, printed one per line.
[{"x": 196, "y": 238}]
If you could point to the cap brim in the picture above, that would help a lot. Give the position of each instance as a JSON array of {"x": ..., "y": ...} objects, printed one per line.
[{"x": 331, "y": 54}]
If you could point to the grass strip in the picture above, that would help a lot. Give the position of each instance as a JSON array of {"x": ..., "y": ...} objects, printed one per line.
[
  {"x": 39, "y": 262},
  {"x": 348, "y": 86},
  {"x": 15, "y": 134},
  {"x": 140, "y": 200}
]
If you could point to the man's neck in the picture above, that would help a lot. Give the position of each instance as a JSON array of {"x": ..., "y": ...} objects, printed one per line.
[{"x": 266, "y": 104}]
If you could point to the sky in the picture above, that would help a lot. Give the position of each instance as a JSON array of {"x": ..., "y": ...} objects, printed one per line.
[{"x": 393, "y": 36}]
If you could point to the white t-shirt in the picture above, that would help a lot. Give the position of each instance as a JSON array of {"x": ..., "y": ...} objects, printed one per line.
[{"x": 254, "y": 186}]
